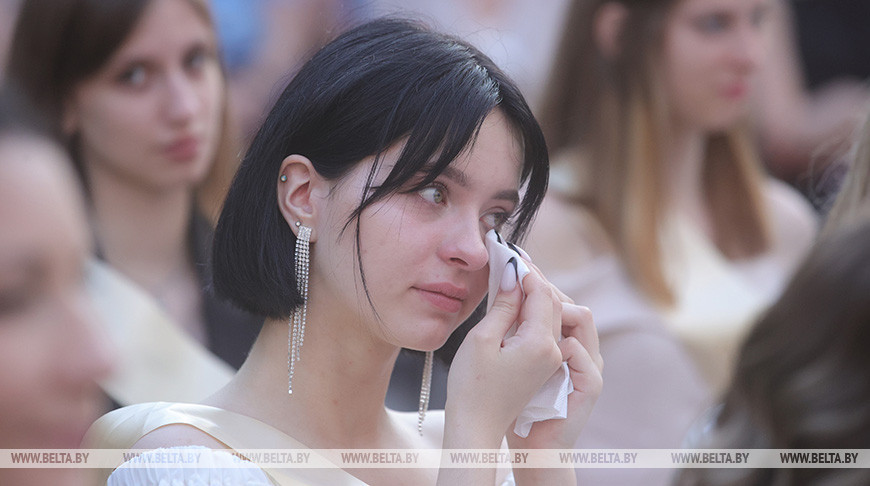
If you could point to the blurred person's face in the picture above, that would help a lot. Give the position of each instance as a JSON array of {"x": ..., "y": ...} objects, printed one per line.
[
  {"x": 151, "y": 117},
  {"x": 711, "y": 51},
  {"x": 50, "y": 352}
]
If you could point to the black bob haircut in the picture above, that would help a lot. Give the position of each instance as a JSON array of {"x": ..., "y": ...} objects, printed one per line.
[{"x": 377, "y": 84}]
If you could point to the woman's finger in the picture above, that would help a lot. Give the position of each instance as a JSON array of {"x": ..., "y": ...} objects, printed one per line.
[
  {"x": 556, "y": 328},
  {"x": 561, "y": 295},
  {"x": 502, "y": 315},
  {"x": 577, "y": 322},
  {"x": 585, "y": 372},
  {"x": 538, "y": 311}
]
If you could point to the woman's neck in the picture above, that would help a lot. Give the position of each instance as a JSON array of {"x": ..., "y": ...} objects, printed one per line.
[
  {"x": 142, "y": 233},
  {"x": 339, "y": 384},
  {"x": 685, "y": 183}
]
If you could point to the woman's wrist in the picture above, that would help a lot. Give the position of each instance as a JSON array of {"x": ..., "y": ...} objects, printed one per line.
[{"x": 467, "y": 431}]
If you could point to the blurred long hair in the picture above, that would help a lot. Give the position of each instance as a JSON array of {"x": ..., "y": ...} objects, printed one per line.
[
  {"x": 57, "y": 45},
  {"x": 802, "y": 379},
  {"x": 612, "y": 110},
  {"x": 853, "y": 195}
]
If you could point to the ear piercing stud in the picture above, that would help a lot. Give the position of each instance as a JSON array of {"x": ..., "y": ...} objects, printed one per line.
[{"x": 283, "y": 178}]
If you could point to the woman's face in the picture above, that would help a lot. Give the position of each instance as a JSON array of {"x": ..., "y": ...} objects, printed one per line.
[
  {"x": 50, "y": 352},
  {"x": 711, "y": 51},
  {"x": 423, "y": 252},
  {"x": 151, "y": 116}
]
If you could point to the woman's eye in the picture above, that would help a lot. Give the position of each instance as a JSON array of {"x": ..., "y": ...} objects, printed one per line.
[
  {"x": 196, "y": 59},
  {"x": 134, "y": 76},
  {"x": 432, "y": 194},
  {"x": 712, "y": 23},
  {"x": 495, "y": 220}
]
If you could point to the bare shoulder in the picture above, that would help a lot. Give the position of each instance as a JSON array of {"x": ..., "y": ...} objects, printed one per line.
[
  {"x": 794, "y": 222},
  {"x": 564, "y": 235},
  {"x": 175, "y": 435}
]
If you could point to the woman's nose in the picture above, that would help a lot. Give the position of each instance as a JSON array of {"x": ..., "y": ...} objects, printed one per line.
[
  {"x": 749, "y": 48},
  {"x": 462, "y": 244},
  {"x": 182, "y": 97}
]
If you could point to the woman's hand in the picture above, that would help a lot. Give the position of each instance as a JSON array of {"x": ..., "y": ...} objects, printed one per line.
[
  {"x": 493, "y": 378},
  {"x": 580, "y": 349}
]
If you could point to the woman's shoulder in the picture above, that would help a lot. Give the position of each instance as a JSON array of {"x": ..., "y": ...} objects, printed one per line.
[
  {"x": 788, "y": 204},
  {"x": 794, "y": 223},
  {"x": 178, "y": 434},
  {"x": 167, "y": 432},
  {"x": 152, "y": 425}
]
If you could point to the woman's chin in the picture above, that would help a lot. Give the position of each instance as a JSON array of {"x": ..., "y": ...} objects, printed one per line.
[{"x": 429, "y": 343}]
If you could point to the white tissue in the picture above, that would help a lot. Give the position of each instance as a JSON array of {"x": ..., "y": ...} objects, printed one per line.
[{"x": 551, "y": 401}]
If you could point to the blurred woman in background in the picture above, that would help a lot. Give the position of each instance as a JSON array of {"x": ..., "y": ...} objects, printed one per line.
[
  {"x": 645, "y": 116},
  {"x": 657, "y": 189},
  {"x": 137, "y": 90}
]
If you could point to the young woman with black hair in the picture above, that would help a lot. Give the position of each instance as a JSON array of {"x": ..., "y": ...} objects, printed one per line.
[{"x": 358, "y": 216}]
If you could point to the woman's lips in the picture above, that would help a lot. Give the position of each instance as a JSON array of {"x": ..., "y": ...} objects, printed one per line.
[
  {"x": 736, "y": 91},
  {"x": 446, "y": 297},
  {"x": 183, "y": 149}
]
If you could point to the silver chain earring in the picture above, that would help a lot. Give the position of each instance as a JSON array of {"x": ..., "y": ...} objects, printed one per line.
[
  {"x": 425, "y": 388},
  {"x": 297, "y": 321}
]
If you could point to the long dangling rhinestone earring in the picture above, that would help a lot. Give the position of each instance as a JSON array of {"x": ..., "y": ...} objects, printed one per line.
[
  {"x": 425, "y": 388},
  {"x": 297, "y": 322}
]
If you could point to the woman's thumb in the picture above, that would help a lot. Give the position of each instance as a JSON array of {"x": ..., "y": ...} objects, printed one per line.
[{"x": 505, "y": 308}]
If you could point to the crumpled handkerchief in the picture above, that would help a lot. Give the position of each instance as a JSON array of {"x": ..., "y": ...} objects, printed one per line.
[{"x": 551, "y": 401}]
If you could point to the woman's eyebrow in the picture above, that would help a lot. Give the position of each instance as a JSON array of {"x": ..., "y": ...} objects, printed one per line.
[
  {"x": 461, "y": 179},
  {"x": 456, "y": 176},
  {"x": 509, "y": 195}
]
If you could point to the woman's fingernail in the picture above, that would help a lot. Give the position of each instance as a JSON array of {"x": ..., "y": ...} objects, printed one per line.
[
  {"x": 509, "y": 276},
  {"x": 524, "y": 254},
  {"x": 520, "y": 251}
]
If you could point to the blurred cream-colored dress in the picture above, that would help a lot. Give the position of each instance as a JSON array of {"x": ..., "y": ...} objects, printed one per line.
[{"x": 717, "y": 300}]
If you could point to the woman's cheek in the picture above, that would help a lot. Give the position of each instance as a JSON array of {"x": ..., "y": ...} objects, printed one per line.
[{"x": 480, "y": 287}]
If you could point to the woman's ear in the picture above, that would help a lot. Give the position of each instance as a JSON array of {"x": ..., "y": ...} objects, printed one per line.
[
  {"x": 608, "y": 24},
  {"x": 301, "y": 191}
]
